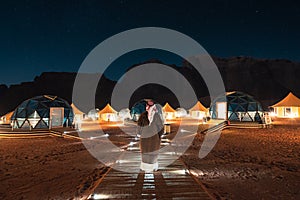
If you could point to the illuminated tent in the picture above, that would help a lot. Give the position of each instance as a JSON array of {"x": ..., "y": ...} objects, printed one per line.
[
  {"x": 180, "y": 112},
  {"x": 168, "y": 111},
  {"x": 6, "y": 119},
  {"x": 76, "y": 111},
  {"x": 287, "y": 107},
  {"x": 108, "y": 114},
  {"x": 238, "y": 106},
  {"x": 78, "y": 116},
  {"x": 43, "y": 112},
  {"x": 198, "y": 111}
]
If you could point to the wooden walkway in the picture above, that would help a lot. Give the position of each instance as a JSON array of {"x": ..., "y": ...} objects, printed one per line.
[{"x": 171, "y": 182}]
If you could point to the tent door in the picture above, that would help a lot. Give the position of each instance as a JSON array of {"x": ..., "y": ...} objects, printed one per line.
[
  {"x": 56, "y": 117},
  {"x": 221, "y": 110}
]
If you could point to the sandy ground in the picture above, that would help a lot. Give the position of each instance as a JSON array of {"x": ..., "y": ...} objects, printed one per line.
[
  {"x": 46, "y": 168},
  {"x": 251, "y": 163},
  {"x": 245, "y": 164}
]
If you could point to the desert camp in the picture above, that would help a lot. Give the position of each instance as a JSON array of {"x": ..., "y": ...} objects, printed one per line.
[{"x": 183, "y": 100}]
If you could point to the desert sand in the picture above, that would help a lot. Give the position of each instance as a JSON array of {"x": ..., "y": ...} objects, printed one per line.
[
  {"x": 46, "y": 168},
  {"x": 251, "y": 163},
  {"x": 245, "y": 164}
]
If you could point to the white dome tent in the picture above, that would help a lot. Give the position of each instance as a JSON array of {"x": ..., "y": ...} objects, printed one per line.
[
  {"x": 124, "y": 114},
  {"x": 93, "y": 114},
  {"x": 180, "y": 112}
]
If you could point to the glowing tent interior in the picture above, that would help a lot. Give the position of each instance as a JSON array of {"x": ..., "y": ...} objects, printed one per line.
[
  {"x": 108, "y": 114},
  {"x": 198, "y": 111},
  {"x": 168, "y": 111},
  {"x": 287, "y": 107},
  {"x": 6, "y": 119}
]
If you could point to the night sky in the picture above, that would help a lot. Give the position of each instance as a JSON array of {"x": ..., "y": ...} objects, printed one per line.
[{"x": 39, "y": 36}]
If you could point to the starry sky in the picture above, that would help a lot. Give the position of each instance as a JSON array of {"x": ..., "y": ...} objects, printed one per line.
[{"x": 38, "y": 36}]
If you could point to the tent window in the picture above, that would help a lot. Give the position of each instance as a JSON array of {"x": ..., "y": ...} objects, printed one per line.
[{"x": 287, "y": 111}]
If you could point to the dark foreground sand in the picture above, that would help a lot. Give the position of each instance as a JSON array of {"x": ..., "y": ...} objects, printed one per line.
[
  {"x": 245, "y": 164},
  {"x": 251, "y": 163},
  {"x": 46, "y": 168}
]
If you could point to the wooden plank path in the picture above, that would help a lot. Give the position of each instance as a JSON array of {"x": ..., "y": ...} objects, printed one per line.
[{"x": 171, "y": 182}]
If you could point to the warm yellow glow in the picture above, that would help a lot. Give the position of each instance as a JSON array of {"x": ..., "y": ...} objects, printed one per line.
[
  {"x": 292, "y": 115},
  {"x": 197, "y": 114},
  {"x": 112, "y": 125},
  {"x": 180, "y": 172},
  {"x": 273, "y": 114},
  {"x": 197, "y": 174},
  {"x": 169, "y": 115}
]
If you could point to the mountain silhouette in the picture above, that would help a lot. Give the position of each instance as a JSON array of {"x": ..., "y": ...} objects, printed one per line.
[{"x": 266, "y": 80}]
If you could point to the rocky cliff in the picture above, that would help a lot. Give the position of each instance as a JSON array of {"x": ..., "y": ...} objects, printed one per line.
[{"x": 267, "y": 80}]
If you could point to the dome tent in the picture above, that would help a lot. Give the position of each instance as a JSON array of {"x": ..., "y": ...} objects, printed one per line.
[
  {"x": 180, "y": 112},
  {"x": 238, "y": 106},
  {"x": 137, "y": 109},
  {"x": 124, "y": 113},
  {"x": 43, "y": 112},
  {"x": 93, "y": 114}
]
